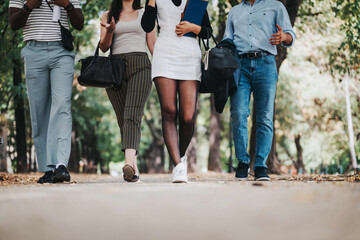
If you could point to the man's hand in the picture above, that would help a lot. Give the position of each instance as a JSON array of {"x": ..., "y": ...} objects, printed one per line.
[
  {"x": 33, "y": 4},
  {"x": 280, "y": 37},
  {"x": 61, "y": 3},
  {"x": 109, "y": 26}
]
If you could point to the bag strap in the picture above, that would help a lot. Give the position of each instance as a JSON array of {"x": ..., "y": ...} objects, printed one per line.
[
  {"x": 53, "y": 11},
  {"x": 98, "y": 46},
  {"x": 183, "y": 13},
  {"x": 207, "y": 43}
]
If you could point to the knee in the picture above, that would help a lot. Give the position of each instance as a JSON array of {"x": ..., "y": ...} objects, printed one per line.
[
  {"x": 168, "y": 113},
  {"x": 265, "y": 123},
  {"x": 239, "y": 117},
  {"x": 61, "y": 105},
  {"x": 188, "y": 118}
]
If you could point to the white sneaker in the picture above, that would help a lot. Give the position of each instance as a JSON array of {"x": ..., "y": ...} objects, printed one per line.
[{"x": 180, "y": 172}]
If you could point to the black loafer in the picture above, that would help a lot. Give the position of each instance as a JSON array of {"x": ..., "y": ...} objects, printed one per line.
[
  {"x": 47, "y": 178},
  {"x": 242, "y": 171},
  {"x": 260, "y": 174},
  {"x": 61, "y": 174},
  {"x": 128, "y": 173},
  {"x": 135, "y": 178}
]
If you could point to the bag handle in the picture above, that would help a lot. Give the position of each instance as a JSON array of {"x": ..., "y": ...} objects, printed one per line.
[{"x": 207, "y": 43}]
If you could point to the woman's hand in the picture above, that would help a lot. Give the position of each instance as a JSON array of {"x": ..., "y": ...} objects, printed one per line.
[
  {"x": 186, "y": 27},
  {"x": 106, "y": 32},
  {"x": 110, "y": 27}
]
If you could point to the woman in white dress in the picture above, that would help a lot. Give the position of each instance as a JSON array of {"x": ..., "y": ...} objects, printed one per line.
[{"x": 176, "y": 70}]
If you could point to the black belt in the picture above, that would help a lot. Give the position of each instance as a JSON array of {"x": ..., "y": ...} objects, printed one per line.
[{"x": 252, "y": 55}]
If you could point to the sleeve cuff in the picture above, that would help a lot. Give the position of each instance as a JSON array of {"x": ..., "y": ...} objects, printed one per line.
[
  {"x": 293, "y": 37},
  {"x": 15, "y": 5}
]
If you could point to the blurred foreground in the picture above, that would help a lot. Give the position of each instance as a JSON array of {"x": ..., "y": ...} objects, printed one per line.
[{"x": 211, "y": 206}]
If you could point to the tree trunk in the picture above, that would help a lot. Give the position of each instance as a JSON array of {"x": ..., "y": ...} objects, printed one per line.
[
  {"x": 231, "y": 167},
  {"x": 29, "y": 153},
  {"x": 273, "y": 163},
  {"x": 350, "y": 124},
  {"x": 155, "y": 155},
  {"x": 300, "y": 162},
  {"x": 191, "y": 151},
  {"x": 214, "y": 163},
  {"x": 74, "y": 154},
  {"x": 19, "y": 119},
  {"x": 3, "y": 143},
  {"x": 253, "y": 138}
]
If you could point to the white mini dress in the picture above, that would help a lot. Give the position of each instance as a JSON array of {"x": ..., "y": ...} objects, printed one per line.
[{"x": 174, "y": 57}]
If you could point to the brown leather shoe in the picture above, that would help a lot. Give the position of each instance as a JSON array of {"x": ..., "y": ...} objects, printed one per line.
[{"x": 129, "y": 173}]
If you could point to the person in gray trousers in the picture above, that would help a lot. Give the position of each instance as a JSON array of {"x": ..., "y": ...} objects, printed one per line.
[{"x": 49, "y": 73}]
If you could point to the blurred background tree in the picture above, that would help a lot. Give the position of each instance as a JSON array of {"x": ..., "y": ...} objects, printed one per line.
[{"x": 311, "y": 127}]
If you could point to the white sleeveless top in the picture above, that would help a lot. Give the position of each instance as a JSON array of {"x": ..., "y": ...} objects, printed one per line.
[{"x": 129, "y": 36}]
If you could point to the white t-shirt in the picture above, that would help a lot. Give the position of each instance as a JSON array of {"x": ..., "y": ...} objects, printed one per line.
[{"x": 40, "y": 26}]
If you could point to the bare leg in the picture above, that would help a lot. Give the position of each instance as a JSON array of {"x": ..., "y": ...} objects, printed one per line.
[
  {"x": 188, "y": 93},
  {"x": 135, "y": 166},
  {"x": 130, "y": 156},
  {"x": 167, "y": 90}
]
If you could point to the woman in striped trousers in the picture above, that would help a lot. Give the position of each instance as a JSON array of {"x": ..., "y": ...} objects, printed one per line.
[{"x": 121, "y": 28}]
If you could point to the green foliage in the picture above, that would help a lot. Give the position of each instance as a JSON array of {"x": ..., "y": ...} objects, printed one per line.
[
  {"x": 10, "y": 45},
  {"x": 346, "y": 58}
]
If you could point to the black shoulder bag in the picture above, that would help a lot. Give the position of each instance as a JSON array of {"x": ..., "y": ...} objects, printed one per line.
[
  {"x": 218, "y": 66},
  {"x": 66, "y": 37},
  {"x": 103, "y": 72}
]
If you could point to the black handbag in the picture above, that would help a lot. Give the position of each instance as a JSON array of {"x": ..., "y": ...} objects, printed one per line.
[
  {"x": 218, "y": 67},
  {"x": 103, "y": 72},
  {"x": 66, "y": 36}
]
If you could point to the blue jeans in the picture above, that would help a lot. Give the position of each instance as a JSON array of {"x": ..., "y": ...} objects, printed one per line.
[
  {"x": 258, "y": 76},
  {"x": 49, "y": 73}
]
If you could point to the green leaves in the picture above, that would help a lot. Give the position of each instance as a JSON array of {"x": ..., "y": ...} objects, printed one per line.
[{"x": 346, "y": 57}]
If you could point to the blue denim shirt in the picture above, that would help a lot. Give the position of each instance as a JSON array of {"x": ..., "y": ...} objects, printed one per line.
[{"x": 250, "y": 27}]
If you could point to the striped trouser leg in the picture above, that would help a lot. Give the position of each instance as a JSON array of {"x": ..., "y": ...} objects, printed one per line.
[
  {"x": 129, "y": 100},
  {"x": 138, "y": 90},
  {"x": 117, "y": 98}
]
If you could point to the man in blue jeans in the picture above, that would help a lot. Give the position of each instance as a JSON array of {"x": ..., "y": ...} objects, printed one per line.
[
  {"x": 49, "y": 73},
  {"x": 256, "y": 27}
]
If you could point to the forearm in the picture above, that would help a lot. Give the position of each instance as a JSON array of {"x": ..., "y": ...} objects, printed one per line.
[
  {"x": 150, "y": 46},
  {"x": 196, "y": 29},
  {"x": 76, "y": 18},
  {"x": 150, "y": 40},
  {"x": 151, "y": 3},
  {"x": 106, "y": 40},
  {"x": 205, "y": 29},
  {"x": 17, "y": 18}
]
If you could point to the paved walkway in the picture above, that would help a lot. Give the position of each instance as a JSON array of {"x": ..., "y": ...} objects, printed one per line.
[{"x": 211, "y": 206}]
